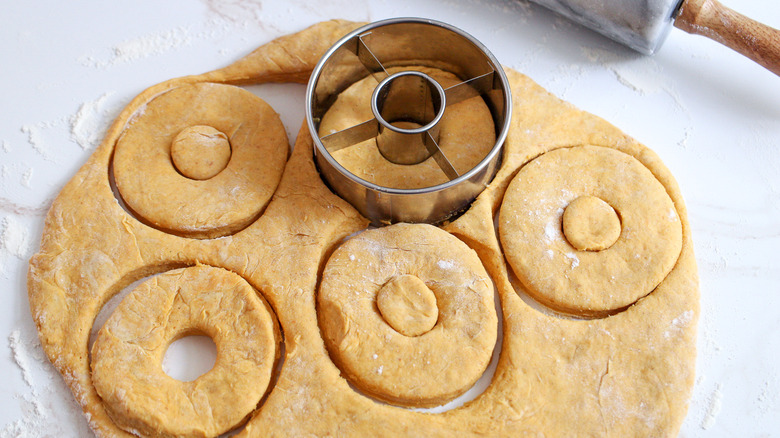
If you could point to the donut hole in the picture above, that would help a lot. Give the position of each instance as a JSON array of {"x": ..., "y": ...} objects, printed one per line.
[
  {"x": 591, "y": 224},
  {"x": 190, "y": 357},
  {"x": 408, "y": 305},
  {"x": 200, "y": 152}
]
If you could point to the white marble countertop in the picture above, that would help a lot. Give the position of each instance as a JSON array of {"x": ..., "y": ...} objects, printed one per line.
[{"x": 712, "y": 116}]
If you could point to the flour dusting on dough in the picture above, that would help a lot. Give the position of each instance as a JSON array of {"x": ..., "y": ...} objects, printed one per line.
[
  {"x": 446, "y": 264},
  {"x": 678, "y": 324},
  {"x": 575, "y": 261}
]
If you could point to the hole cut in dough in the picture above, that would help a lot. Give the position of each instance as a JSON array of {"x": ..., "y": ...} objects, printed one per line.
[{"x": 190, "y": 357}]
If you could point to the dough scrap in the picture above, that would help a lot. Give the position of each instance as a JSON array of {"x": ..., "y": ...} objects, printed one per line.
[
  {"x": 421, "y": 371},
  {"x": 629, "y": 374},
  {"x": 128, "y": 353}
]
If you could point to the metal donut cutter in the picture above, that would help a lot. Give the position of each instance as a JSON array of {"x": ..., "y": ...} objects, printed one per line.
[{"x": 407, "y": 96}]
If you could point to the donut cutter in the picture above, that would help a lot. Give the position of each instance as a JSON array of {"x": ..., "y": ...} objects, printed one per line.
[{"x": 407, "y": 107}]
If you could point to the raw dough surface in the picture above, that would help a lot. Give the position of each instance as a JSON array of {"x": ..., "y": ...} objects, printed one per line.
[{"x": 629, "y": 374}]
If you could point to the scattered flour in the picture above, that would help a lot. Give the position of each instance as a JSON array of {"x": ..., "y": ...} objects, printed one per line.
[
  {"x": 6, "y": 146},
  {"x": 26, "y": 177},
  {"x": 551, "y": 231},
  {"x": 45, "y": 406},
  {"x": 88, "y": 125},
  {"x": 677, "y": 324},
  {"x": 14, "y": 238},
  {"x": 35, "y": 138},
  {"x": 715, "y": 404},
  {"x": 20, "y": 357},
  {"x": 144, "y": 46},
  {"x": 445, "y": 264},
  {"x": 575, "y": 261}
]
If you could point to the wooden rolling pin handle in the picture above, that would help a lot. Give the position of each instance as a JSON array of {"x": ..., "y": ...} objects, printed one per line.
[{"x": 709, "y": 18}]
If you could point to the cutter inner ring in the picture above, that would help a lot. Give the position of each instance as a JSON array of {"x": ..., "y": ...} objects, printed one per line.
[{"x": 408, "y": 107}]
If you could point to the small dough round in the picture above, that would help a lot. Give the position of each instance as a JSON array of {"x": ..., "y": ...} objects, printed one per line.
[
  {"x": 167, "y": 198},
  {"x": 200, "y": 152},
  {"x": 408, "y": 305},
  {"x": 417, "y": 371},
  {"x": 466, "y": 135},
  {"x": 590, "y": 224},
  {"x": 127, "y": 355},
  {"x": 565, "y": 277}
]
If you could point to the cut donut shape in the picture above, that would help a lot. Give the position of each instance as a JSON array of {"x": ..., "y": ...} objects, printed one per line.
[
  {"x": 558, "y": 220},
  {"x": 128, "y": 353},
  {"x": 415, "y": 371},
  {"x": 201, "y": 160}
]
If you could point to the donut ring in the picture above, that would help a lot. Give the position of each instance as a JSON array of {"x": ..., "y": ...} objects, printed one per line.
[
  {"x": 426, "y": 369},
  {"x": 127, "y": 355},
  {"x": 466, "y": 135},
  {"x": 201, "y": 200},
  {"x": 575, "y": 267}
]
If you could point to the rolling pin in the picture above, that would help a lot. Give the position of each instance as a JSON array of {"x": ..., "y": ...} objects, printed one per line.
[{"x": 643, "y": 24}]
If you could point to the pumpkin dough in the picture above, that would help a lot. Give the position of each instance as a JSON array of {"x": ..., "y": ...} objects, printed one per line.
[
  {"x": 424, "y": 370},
  {"x": 628, "y": 374},
  {"x": 590, "y": 224},
  {"x": 466, "y": 135},
  {"x": 408, "y": 305},
  {"x": 200, "y": 152},
  {"x": 575, "y": 280},
  {"x": 162, "y": 182},
  {"x": 128, "y": 353}
]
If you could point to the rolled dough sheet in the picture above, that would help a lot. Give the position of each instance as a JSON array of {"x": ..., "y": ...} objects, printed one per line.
[{"x": 628, "y": 374}]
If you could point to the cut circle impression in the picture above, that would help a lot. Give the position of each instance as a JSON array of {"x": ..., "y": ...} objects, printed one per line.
[
  {"x": 577, "y": 270},
  {"x": 590, "y": 224},
  {"x": 381, "y": 361},
  {"x": 158, "y": 169},
  {"x": 408, "y": 305},
  {"x": 200, "y": 152},
  {"x": 128, "y": 353}
]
